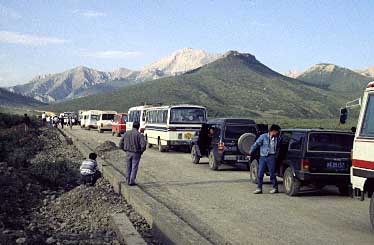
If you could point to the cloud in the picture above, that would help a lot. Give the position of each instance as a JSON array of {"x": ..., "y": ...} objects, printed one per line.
[
  {"x": 25, "y": 39},
  {"x": 9, "y": 13},
  {"x": 89, "y": 13},
  {"x": 113, "y": 54}
]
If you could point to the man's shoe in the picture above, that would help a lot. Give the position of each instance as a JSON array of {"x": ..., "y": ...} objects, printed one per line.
[
  {"x": 273, "y": 191},
  {"x": 257, "y": 191}
]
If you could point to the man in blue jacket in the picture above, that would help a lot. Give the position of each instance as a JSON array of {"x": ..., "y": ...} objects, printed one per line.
[{"x": 268, "y": 143}]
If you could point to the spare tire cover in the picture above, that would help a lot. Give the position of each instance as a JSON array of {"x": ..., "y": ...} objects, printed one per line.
[{"x": 245, "y": 142}]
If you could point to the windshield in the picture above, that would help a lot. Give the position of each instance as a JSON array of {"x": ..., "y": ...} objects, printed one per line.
[
  {"x": 367, "y": 127},
  {"x": 134, "y": 116},
  {"x": 187, "y": 115},
  {"x": 235, "y": 131},
  {"x": 107, "y": 117},
  {"x": 94, "y": 117},
  {"x": 330, "y": 142}
]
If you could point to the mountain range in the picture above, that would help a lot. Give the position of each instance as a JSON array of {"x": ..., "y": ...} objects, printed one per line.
[
  {"x": 236, "y": 84},
  {"x": 83, "y": 81},
  {"x": 338, "y": 79}
]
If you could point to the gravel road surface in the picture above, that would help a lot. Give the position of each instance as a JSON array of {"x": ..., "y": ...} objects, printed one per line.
[{"x": 220, "y": 204}]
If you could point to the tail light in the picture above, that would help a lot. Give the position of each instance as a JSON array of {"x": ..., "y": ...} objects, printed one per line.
[
  {"x": 221, "y": 146},
  {"x": 305, "y": 164},
  {"x": 141, "y": 130}
]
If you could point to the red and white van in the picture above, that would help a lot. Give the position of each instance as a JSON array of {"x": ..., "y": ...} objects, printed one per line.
[
  {"x": 362, "y": 171},
  {"x": 119, "y": 124}
]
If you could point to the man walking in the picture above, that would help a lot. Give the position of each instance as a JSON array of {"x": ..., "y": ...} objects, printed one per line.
[
  {"x": 134, "y": 144},
  {"x": 268, "y": 143}
]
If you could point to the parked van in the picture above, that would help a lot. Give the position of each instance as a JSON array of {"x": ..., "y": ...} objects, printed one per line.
[
  {"x": 173, "y": 126},
  {"x": 89, "y": 120},
  {"x": 137, "y": 114},
  {"x": 104, "y": 121},
  {"x": 119, "y": 124}
]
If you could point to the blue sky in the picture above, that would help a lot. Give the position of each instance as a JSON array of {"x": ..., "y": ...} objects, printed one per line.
[{"x": 39, "y": 37}]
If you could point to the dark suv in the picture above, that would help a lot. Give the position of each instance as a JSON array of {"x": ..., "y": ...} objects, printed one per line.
[
  {"x": 224, "y": 140},
  {"x": 313, "y": 156}
]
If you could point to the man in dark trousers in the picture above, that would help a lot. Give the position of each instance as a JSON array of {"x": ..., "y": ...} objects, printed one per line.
[
  {"x": 268, "y": 144},
  {"x": 134, "y": 144}
]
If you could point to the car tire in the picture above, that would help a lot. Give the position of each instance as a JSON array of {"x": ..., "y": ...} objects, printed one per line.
[
  {"x": 245, "y": 142},
  {"x": 344, "y": 190},
  {"x": 194, "y": 157},
  {"x": 371, "y": 211},
  {"x": 291, "y": 183},
  {"x": 213, "y": 164},
  {"x": 253, "y": 171},
  {"x": 118, "y": 134}
]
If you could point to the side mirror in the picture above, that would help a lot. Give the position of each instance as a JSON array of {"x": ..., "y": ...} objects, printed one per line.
[{"x": 343, "y": 115}]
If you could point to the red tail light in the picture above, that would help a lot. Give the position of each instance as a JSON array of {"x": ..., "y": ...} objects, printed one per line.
[
  {"x": 221, "y": 146},
  {"x": 305, "y": 164},
  {"x": 141, "y": 130}
]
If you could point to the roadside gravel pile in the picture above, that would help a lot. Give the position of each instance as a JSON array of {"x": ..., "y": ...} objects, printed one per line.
[
  {"x": 83, "y": 214},
  {"x": 43, "y": 203},
  {"x": 105, "y": 147}
]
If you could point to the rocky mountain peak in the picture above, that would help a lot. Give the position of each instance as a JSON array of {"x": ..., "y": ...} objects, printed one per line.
[{"x": 181, "y": 61}]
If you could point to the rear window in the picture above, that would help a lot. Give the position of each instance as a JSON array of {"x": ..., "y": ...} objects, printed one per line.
[
  {"x": 330, "y": 142},
  {"x": 234, "y": 131},
  {"x": 107, "y": 116}
]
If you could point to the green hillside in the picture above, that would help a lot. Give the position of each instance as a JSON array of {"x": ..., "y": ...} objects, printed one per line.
[
  {"x": 335, "y": 78},
  {"x": 10, "y": 99},
  {"x": 235, "y": 85}
]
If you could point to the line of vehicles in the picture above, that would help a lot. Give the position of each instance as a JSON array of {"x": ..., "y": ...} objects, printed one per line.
[{"x": 315, "y": 157}]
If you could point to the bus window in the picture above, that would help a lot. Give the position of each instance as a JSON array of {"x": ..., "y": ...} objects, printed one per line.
[
  {"x": 367, "y": 127},
  {"x": 187, "y": 115}
]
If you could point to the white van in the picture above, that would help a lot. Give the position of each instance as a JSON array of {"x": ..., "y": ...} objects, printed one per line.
[
  {"x": 137, "y": 114},
  {"x": 104, "y": 121},
  {"x": 89, "y": 119},
  {"x": 173, "y": 126}
]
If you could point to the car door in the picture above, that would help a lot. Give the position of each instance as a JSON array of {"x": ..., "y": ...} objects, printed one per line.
[{"x": 295, "y": 150}]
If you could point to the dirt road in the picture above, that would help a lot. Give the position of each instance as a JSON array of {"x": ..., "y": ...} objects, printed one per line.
[{"x": 220, "y": 204}]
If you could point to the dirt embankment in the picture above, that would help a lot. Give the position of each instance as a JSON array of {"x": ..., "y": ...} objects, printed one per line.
[{"x": 41, "y": 199}]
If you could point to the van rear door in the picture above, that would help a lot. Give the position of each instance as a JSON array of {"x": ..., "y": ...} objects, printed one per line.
[{"x": 329, "y": 152}]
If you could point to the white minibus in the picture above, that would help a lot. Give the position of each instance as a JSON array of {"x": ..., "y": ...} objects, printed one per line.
[
  {"x": 137, "y": 114},
  {"x": 173, "y": 126}
]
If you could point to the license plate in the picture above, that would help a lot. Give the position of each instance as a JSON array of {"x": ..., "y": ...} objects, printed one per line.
[
  {"x": 230, "y": 157},
  {"x": 335, "y": 165},
  {"x": 188, "y": 136}
]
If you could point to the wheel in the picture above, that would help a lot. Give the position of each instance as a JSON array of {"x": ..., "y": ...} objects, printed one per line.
[
  {"x": 344, "y": 190},
  {"x": 253, "y": 171},
  {"x": 213, "y": 164},
  {"x": 119, "y": 134},
  {"x": 291, "y": 183},
  {"x": 372, "y": 210},
  {"x": 194, "y": 157}
]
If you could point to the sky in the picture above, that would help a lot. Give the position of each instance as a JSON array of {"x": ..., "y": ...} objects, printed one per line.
[{"x": 42, "y": 37}]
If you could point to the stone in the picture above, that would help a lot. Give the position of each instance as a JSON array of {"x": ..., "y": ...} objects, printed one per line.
[
  {"x": 50, "y": 240},
  {"x": 21, "y": 240}
]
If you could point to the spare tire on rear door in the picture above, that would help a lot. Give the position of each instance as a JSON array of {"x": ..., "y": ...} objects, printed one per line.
[{"x": 245, "y": 142}]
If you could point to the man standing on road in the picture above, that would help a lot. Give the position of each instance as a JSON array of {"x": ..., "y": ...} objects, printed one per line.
[
  {"x": 268, "y": 143},
  {"x": 134, "y": 144}
]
